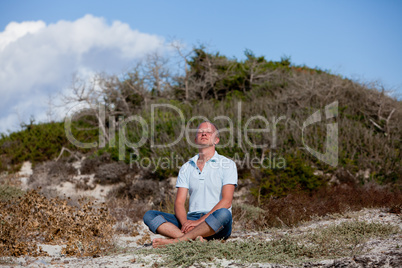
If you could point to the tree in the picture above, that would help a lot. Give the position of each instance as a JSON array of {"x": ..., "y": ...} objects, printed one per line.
[
  {"x": 156, "y": 74},
  {"x": 184, "y": 62},
  {"x": 208, "y": 72}
]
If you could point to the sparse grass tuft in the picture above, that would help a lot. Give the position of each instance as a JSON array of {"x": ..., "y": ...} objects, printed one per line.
[
  {"x": 248, "y": 216},
  {"x": 347, "y": 238},
  {"x": 8, "y": 192}
]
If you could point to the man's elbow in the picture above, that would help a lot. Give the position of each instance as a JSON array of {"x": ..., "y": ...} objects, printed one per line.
[{"x": 179, "y": 205}]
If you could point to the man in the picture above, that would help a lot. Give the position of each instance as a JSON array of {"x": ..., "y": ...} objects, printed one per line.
[{"x": 211, "y": 180}]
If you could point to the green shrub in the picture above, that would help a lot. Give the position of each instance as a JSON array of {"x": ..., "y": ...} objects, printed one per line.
[
  {"x": 40, "y": 142},
  {"x": 278, "y": 182}
]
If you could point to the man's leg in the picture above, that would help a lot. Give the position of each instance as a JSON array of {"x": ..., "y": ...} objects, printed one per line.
[
  {"x": 219, "y": 221},
  {"x": 162, "y": 223},
  {"x": 168, "y": 229}
]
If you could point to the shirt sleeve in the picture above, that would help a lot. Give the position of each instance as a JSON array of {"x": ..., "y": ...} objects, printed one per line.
[
  {"x": 183, "y": 178},
  {"x": 230, "y": 174}
]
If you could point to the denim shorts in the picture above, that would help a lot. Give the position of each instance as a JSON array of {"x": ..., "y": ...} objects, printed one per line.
[{"x": 220, "y": 221}]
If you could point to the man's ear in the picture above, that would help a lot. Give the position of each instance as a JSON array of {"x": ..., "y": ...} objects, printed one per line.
[{"x": 216, "y": 141}]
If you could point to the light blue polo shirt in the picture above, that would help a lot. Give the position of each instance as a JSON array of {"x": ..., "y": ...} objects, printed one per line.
[{"x": 205, "y": 187}]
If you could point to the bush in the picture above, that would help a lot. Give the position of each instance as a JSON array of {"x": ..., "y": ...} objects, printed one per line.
[
  {"x": 32, "y": 218},
  {"x": 111, "y": 173},
  {"x": 299, "y": 207},
  {"x": 38, "y": 143},
  {"x": 278, "y": 182},
  {"x": 50, "y": 174}
]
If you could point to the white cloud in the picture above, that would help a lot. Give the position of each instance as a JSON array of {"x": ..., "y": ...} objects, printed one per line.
[
  {"x": 38, "y": 59},
  {"x": 15, "y": 30}
]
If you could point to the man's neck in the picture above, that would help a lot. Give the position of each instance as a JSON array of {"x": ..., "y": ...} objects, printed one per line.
[{"x": 204, "y": 154}]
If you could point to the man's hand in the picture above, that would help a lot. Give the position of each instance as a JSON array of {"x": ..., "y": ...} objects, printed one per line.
[{"x": 189, "y": 225}]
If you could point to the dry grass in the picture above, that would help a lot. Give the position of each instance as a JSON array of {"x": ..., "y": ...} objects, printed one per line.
[
  {"x": 298, "y": 207},
  {"x": 124, "y": 208},
  {"x": 86, "y": 230}
]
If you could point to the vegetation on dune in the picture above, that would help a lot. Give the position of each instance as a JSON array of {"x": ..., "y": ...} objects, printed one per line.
[{"x": 334, "y": 241}]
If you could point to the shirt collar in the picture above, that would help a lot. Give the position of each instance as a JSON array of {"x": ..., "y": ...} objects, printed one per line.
[{"x": 214, "y": 158}]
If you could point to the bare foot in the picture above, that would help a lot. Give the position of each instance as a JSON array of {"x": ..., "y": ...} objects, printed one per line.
[{"x": 161, "y": 242}]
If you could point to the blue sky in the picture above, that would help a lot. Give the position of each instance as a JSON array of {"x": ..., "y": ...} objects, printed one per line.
[{"x": 361, "y": 40}]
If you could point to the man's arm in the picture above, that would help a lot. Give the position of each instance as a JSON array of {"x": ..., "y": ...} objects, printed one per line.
[
  {"x": 179, "y": 205},
  {"x": 225, "y": 202}
]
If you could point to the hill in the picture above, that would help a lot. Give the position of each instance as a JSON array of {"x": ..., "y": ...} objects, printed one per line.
[{"x": 131, "y": 117}]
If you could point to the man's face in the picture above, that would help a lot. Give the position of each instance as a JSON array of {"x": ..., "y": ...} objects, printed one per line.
[{"x": 206, "y": 135}]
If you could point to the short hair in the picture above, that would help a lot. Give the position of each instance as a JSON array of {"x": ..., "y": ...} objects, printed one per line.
[{"x": 216, "y": 129}]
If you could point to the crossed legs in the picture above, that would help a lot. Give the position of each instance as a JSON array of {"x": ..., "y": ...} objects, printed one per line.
[
  {"x": 200, "y": 231},
  {"x": 217, "y": 226}
]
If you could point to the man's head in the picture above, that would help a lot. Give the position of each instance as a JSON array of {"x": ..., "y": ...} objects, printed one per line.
[{"x": 207, "y": 135}]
